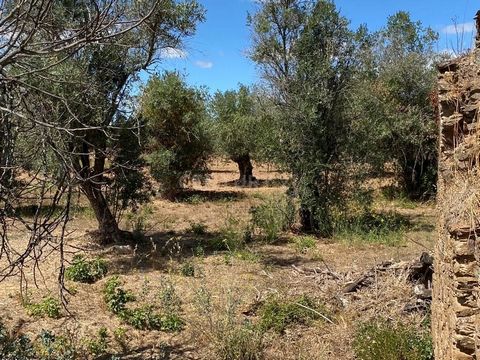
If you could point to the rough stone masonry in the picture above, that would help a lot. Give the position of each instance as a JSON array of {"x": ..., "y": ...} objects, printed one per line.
[{"x": 456, "y": 293}]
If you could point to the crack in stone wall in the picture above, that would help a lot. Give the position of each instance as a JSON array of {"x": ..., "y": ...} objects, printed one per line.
[{"x": 456, "y": 297}]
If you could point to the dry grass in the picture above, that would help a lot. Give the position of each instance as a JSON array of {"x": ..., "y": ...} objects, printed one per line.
[{"x": 274, "y": 270}]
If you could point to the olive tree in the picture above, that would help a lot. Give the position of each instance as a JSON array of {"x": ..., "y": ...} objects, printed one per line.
[
  {"x": 239, "y": 129},
  {"x": 65, "y": 73},
  {"x": 178, "y": 142},
  {"x": 314, "y": 59},
  {"x": 394, "y": 104}
]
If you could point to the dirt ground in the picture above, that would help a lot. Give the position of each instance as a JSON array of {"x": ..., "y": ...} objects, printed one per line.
[{"x": 278, "y": 268}]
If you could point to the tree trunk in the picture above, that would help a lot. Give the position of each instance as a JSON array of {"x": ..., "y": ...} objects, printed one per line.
[
  {"x": 245, "y": 168},
  {"x": 108, "y": 230}
]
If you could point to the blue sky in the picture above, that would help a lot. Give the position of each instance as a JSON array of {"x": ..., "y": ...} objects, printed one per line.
[{"x": 216, "y": 55}]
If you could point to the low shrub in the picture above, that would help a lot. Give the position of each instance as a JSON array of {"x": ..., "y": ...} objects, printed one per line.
[
  {"x": 232, "y": 236},
  {"x": 275, "y": 215},
  {"x": 278, "y": 315},
  {"x": 241, "y": 342},
  {"x": 115, "y": 296},
  {"x": 86, "y": 271},
  {"x": 381, "y": 340},
  {"x": 188, "y": 269},
  {"x": 304, "y": 243},
  {"x": 229, "y": 335},
  {"x": 198, "y": 229},
  {"x": 48, "y": 307},
  {"x": 61, "y": 347},
  {"x": 98, "y": 344},
  {"x": 15, "y": 348},
  {"x": 143, "y": 317}
]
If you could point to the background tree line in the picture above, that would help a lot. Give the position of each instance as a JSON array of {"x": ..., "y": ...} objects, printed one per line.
[{"x": 334, "y": 106}]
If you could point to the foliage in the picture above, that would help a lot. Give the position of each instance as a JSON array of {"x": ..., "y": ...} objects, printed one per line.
[
  {"x": 314, "y": 128},
  {"x": 48, "y": 307},
  {"x": 231, "y": 337},
  {"x": 15, "y": 348},
  {"x": 393, "y": 104},
  {"x": 380, "y": 340},
  {"x": 98, "y": 345},
  {"x": 275, "y": 215},
  {"x": 374, "y": 228},
  {"x": 57, "y": 347},
  {"x": 144, "y": 317},
  {"x": 304, "y": 243},
  {"x": 278, "y": 315},
  {"x": 115, "y": 296},
  {"x": 179, "y": 145},
  {"x": 188, "y": 269},
  {"x": 86, "y": 271},
  {"x": 276, "y": 28},
  {"x": 234, "y": 122},
  {"x": 198, "y": 228},
  {"x": 244, "y": 342},
  {"x": 139, "y": 219},
  {"x": 233, "y": 236}
]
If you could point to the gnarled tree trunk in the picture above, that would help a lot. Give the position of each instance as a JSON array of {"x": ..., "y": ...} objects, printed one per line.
[
  {"x": 108, "y": 230},
  {"x": 245, "y": 168}
]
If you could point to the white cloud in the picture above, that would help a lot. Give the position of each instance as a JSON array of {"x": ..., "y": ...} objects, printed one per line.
[
  {"x": 172, "y": 53},
  {"x": 464, "y": 28},
  {"x": 204, "y": 64}
]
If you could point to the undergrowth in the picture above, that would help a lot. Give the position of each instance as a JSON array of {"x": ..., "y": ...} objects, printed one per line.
[
  {"x": 47, "y": 307},
  {"x": 277, "y": 315},
  {"x": 86, "y": 271},
  {"x": 275, "y": 215},
  {"x": 373, "y": 228},
  {"x": 230, "y": 336},
  {"x": 146, "y": 316},
  {"x": 381, "y": 340}
]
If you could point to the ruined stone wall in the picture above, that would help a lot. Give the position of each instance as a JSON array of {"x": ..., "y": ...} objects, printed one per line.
[{"x": 456, "y": 298}]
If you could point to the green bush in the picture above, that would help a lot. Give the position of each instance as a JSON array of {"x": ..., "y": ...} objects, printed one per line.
[
  {"x": 277, "y": 214},
  {"x": 86, "y": 271},
  {"x": 197, "y": 228},
  {"x": 188, "y": 269},
  {"x": 115, "y": 297},
  {"x": 15, "y": 348},
  {"x": 278, "y": 315},
  {"x": 98, "y": 345},
  {"x": 53, "y": 347},
  {"x": 179, "y": 143},
  {"x": 144, "y": 317},
  {"x": 48, "y": 307},
  {"x": 380, "y": 340}
]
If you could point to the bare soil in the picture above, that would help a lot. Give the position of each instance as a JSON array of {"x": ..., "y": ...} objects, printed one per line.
[{"x": 275, "y": 269}]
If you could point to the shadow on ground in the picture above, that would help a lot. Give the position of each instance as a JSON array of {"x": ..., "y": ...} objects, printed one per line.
[{"x": 199, "y": 196}]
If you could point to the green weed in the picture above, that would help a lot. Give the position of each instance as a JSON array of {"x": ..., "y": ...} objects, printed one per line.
[
  {"x": 380, "y": 340},
  {"x": 278, "y": 315},
  {"x": 304, "y": 243},
  {"x": 86, "y": 271},
  {"x": 48, "y": 307},
  {"x": 275, "y": 215}
]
